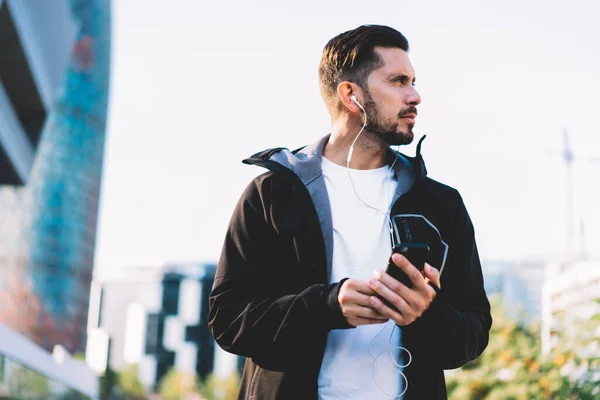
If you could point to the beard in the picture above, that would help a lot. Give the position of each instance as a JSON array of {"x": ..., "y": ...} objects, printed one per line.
[{"x": 388, "y": 130}]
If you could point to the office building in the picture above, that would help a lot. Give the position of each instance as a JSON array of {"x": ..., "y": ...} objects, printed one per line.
[
  {"x": 155, "y": 318},
  {"x": 570, "y": 295},
  {"x": 36, "y": 40},
  {"x": 518, "y": 284},
  {"x": 53, "y": 106}
]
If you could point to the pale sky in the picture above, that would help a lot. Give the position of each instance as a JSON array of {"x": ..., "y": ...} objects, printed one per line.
[{"x": 197, "y": 86}]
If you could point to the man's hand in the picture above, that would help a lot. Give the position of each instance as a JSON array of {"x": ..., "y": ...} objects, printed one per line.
[
  {"x": 354, "y": 301},
  {"x": 410, "y": 303}
]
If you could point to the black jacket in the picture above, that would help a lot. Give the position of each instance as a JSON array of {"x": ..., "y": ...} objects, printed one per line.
[{"x": 271, "y": 301}]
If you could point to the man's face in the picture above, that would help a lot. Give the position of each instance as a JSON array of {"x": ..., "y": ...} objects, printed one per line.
[{"x": 391, "y": 99}]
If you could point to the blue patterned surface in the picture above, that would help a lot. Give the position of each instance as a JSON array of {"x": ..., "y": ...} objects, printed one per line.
[{"x": 48, "y": 272}]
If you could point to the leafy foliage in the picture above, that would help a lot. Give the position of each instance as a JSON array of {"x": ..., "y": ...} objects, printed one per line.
[
  {"x": 177, "y": 385},
  {"x": 512, "y": 366},
  {"x": 216, "y": 388},
  {"x": 129, "y": 383}
]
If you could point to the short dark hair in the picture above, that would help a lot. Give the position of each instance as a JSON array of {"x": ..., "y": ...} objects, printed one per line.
[{"x": 350, "y": 56}]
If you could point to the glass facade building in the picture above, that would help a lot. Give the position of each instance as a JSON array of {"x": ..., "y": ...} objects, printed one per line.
[
  {"x": 48, "y": 226},
  {"x": 155, "y": 318},
  {"x": 36, "y": 40}
]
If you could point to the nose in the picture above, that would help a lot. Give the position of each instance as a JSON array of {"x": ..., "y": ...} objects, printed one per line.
[{"x": 414, "y": 98}]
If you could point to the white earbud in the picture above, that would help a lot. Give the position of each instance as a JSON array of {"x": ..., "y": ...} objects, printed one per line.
[
  {"x": 351, "y": 149},
  {"x": 353, "y": 98}
]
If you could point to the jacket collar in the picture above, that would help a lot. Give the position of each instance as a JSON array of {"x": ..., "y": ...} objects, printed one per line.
[{"x": 306, "y": 161}]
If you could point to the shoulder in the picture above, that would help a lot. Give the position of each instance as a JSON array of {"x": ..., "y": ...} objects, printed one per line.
[
  {"x": 448, "y": 199},
  {"x": 445, "y": 193},
  {"x": 264, "y": 187},
  {"x": 451, "y": 201}
]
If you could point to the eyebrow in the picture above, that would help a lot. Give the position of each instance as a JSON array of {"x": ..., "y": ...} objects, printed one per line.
[{"x": 401, "y": 77}]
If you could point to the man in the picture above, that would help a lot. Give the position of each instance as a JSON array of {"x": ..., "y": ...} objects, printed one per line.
[{"x": 295, "y": 291}]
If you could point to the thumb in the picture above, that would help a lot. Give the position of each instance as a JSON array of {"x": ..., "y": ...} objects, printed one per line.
[{"x": 433, "y": 275}]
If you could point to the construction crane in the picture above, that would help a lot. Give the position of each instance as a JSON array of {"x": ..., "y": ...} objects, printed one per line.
[{"x": 569, "y": 158}]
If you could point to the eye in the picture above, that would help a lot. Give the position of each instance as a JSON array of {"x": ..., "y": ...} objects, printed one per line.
[{"x": 403, "y": 80}]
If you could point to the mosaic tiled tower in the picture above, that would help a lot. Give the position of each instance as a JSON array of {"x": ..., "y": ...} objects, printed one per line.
[{"x": 46, "y": 276}]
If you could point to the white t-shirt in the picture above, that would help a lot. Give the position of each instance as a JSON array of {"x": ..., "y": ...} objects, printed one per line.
[{"x": 359, "y": 363}]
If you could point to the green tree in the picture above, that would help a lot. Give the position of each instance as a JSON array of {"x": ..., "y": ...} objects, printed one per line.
[
  {"x": 72, "y": 395},
  {"x": 578, "y": 353},
  {"x": 177, "y": 385},
  {"x": 215, "y": 388},
  {"x": 28, "y": 384},
  {"x": 511, "y": 367},
  {"x": 1, "y": 368},
  {"x": 107, "y": 383},
  {"x": 129, "y": 383}
]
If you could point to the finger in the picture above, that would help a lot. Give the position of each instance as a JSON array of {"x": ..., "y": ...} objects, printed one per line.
[
  {"x": 398, "y": 295},
  {"x": 386, "y": 286},
  {"x": 406, "y": 293},
  {"x": 359, "y": 286},
  {"x": 353, "y": 291},
  {"x": 366, "y": 321},
  {"x": 432, "y": 290},
  {"x": 433, "y": 275},
  {"x": 391, "y": 282},
  {"x": 415, "y": 276},
  {"x": 411, "y": 302},
  {"x": 383, "y": 309},
  {"x": 349, "y": 298},
  {"x": 435, "y": 288},
  {"x": 363, "y": 312}
]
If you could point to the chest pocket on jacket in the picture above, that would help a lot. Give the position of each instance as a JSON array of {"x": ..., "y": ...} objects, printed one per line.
[{"x": 418, "y": 229}]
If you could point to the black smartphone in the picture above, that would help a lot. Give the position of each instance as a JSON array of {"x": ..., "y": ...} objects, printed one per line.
[{"x": 416, "y": 253}]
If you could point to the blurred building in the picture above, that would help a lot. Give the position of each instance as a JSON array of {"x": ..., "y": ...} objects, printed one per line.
[
  {"x": 36, "y": 39},
  {"x": 569, "y": 294},
  {"x": 518, "y": 284},
  {"x": 155, "y": 318},
  {"x": 28, "y": 372},
  {"x": 54, "y": 70}
]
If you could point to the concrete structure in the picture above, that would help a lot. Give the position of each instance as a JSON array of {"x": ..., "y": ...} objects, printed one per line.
[
  {"x": 155, "y": 318},
  {"x": 569, "y": 294},
  {"x": 519, "y": 285},
  {"x": 36, "y": 40},
  {"x": 28, "y": 371},
  {"x": 110, "y": 300}
]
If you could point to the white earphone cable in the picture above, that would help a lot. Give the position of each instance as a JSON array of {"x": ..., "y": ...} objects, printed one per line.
[
  {"x": 350, "y": 152},
  {"x": 398, "y": 367}
]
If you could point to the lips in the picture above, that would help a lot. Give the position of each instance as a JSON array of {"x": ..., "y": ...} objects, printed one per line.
[
  {"x": 409, "y": 114},
  {"x": 410, "y": 118}
]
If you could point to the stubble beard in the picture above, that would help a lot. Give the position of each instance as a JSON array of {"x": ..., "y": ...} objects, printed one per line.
[{"x": 385, "y": 131}]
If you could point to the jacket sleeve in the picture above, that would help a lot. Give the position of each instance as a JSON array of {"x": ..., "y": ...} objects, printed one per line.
[
  {"x": 455, "y": 328},
  {"x": 250, "y": 312}
]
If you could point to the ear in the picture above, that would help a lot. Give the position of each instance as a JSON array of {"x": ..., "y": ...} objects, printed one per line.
[{"x": 345, "y": 91}]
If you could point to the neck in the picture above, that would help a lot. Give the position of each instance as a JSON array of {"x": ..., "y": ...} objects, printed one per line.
[{"x": 368, "y": 153}]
